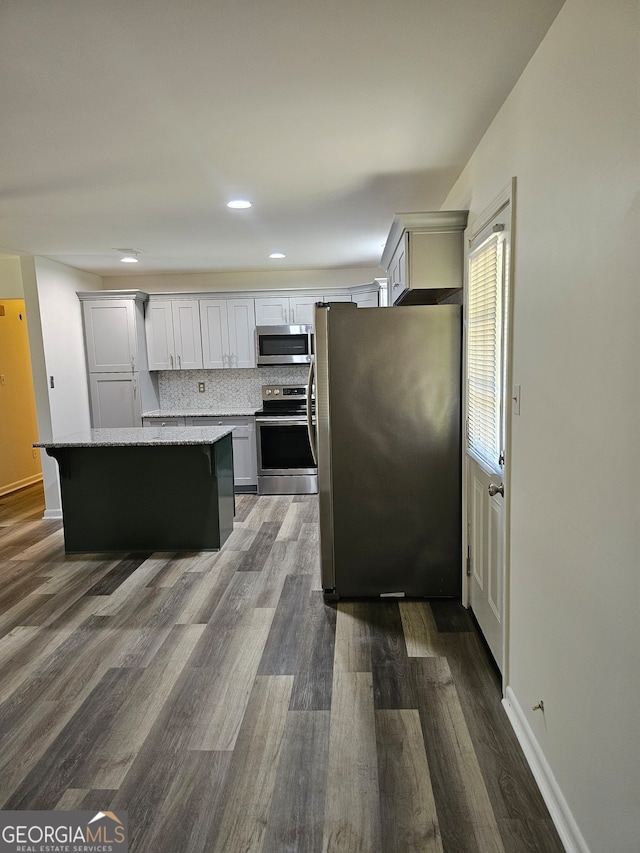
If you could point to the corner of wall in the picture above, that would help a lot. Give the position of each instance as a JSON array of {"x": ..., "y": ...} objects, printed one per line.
[{"x": 53, "y": 501}]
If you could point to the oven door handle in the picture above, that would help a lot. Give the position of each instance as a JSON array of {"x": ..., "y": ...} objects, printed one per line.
[
  {"x": 312, "y": 438},
  {"x": 280, "y": 420}
]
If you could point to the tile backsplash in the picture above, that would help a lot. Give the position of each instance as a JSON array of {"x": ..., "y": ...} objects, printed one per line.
[{"x": 224, "y": 389}]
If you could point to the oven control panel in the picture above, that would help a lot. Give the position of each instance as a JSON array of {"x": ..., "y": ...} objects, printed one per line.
[{"x": 286, "y": 393}]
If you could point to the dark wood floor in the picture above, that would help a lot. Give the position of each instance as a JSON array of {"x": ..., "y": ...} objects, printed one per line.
[{"x": 227, "y": 708}]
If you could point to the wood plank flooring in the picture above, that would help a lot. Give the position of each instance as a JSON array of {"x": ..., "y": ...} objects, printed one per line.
[{"x": 219, "y": 700}]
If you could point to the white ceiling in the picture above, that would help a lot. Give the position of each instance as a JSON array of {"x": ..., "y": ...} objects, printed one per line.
[{"x": 130, "y": 123}]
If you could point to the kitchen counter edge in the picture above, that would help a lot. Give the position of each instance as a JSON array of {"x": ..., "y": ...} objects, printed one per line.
[
  {"x": 138, "y": 437},
  {"x": 199, "y": 413}
]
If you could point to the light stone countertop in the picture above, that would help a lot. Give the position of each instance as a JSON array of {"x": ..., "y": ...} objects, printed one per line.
[
  {"x": 138, "y": 437},
  {"x": 234, "y": 412}
]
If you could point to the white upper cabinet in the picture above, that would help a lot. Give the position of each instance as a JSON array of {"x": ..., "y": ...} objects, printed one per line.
[
  {"x": 159, "y": 328},
  {"x": 301, "y": 309},
  {"x": 241, "y": 320},
  {"x": 424, "y": 256},
  {"x": 366, "y": 300},
  {"x": 292, "y": 310},
  {"x": 338, "y": 297},
  {"x": 186, "y": 333},
  {"x": 397, "y": 273},
  {"x": 215, "y": 334},
  {"x": 173, "y": 334},
  {"x": 272, "y": 311},
  {"x": 114, "y": 333},
  {"x": 130, "y": 331},
  {"x": 120, "y": 385},
  {"x": 285, "y": 310},
  {"x": 228, "y": 333}
]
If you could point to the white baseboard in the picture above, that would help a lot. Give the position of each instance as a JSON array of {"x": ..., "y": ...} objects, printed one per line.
[
  {"x": 559, "y": 810},
  {"x": 52, "y": 514}
]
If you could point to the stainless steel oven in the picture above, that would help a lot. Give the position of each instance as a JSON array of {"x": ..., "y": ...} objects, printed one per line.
[{"x": 285, "y": 459}]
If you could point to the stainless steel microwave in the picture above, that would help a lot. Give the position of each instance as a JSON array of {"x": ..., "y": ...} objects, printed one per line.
[{"x": 284, "y": 344}]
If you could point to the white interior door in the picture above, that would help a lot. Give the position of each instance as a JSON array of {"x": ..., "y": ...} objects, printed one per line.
[
  {"x": 487, "y": 398},
  {"x": 486, "y": 556}
]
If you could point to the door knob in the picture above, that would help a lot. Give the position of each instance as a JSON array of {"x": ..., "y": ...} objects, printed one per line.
[{"x": 495, "y": 490}]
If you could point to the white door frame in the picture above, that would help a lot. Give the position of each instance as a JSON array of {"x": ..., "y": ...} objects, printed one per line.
[{"x": 506, "y": 196}]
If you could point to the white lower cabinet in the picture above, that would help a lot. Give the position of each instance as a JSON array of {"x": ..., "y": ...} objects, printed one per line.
[
  {"x": 245, "y": 462},
  {"x": 119, "y": 399},
  {"x": 115, "y": 399}
]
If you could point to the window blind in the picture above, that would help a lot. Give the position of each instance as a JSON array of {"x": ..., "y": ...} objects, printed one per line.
[{"x": 484, "y": 351}]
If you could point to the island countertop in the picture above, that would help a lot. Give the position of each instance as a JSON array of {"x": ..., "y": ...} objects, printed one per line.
[{"x": 138, "y": 437}]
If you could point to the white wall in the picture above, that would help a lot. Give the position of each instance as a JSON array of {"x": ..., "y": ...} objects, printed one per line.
[
  {"x": 253, "y": 280},
  {"x": 10, "y": 277},
  {"x": 57, "y": 348},
  {"x": 569, "y": 133}
]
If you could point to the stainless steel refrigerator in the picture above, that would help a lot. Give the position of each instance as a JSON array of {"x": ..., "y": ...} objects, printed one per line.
[{"x": 387, "y": 398}]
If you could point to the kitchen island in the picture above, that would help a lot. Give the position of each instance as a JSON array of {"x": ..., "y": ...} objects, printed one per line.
[{"x": 146, "y": 488}]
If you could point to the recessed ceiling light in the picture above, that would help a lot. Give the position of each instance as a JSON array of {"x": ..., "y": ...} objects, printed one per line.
[
  {"x": 239, "y": 204},
  {"x": 129, "y": 256},
  {"x": 277, "y": 255}
]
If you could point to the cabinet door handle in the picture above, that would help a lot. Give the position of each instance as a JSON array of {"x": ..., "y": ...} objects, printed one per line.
[
  {"x": 133, "y": 363},
  {"x": 179, "y": 362},
  {"x": 135, "y": 389},
  {"x": 171, "y": 360}
]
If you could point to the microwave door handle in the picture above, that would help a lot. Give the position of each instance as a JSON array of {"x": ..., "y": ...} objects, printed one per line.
[{"x": 312, "y": 438}]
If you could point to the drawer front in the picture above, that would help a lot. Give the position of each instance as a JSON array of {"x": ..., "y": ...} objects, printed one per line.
[{"x": 163, "y": 422}]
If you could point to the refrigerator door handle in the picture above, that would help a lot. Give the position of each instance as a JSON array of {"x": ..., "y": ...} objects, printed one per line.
[{"x": 312, "y": 438}]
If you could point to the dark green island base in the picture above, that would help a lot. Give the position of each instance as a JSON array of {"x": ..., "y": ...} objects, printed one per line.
[{"x": 162, "y": 497}]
